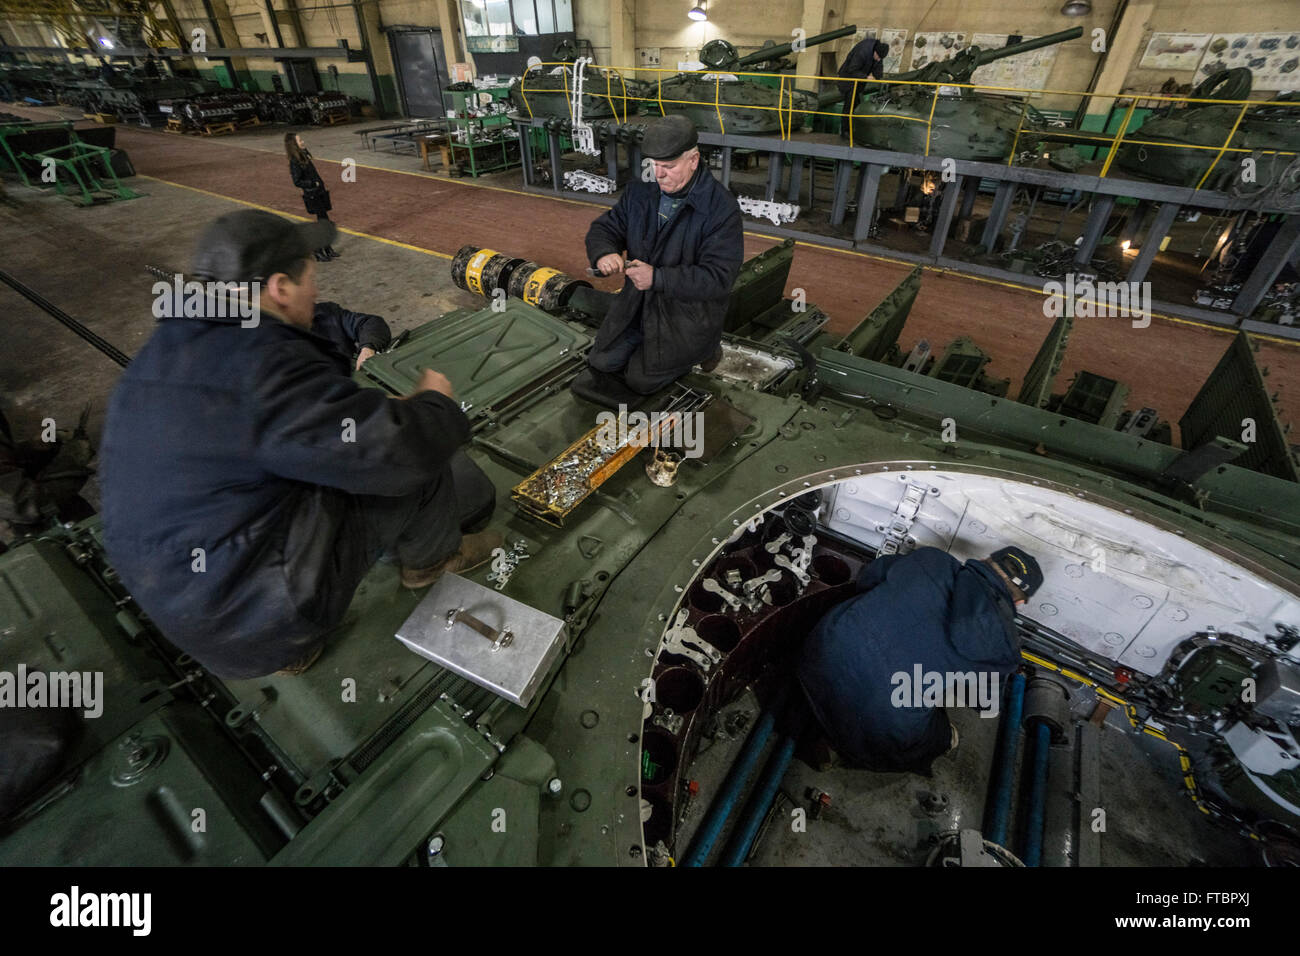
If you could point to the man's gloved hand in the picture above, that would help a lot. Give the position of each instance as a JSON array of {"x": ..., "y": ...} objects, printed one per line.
[
  {"x": 642, "y": 274},
  {"x": 365, "y": 353},
  {"x": 609, "y": 265},
  {"x": 431, "y": 381}
]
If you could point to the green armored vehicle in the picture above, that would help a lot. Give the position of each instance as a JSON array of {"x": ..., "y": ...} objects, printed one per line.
[
  {"x": 958, "y": 123},
  {"x": 720, "y": 101},
  {"x": 1271, "y": 134},
  {"x": 582, "y": 700}
]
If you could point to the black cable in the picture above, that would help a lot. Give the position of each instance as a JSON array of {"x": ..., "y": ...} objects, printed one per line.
[{"x": 112, "y": 351}]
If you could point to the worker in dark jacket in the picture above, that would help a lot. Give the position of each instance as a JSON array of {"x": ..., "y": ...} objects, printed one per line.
[
  {"x": 866, "y": 60},
  {"x": 357, "y": 335},
  {"x": 315, "y": 197},
  {"x": 684, "y": 242},
  {"x": 917, "y": 615},
  {"x": 249, "y": 483}
]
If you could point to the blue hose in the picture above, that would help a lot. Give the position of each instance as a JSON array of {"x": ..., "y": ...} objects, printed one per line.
[
  {"x": 727, "y": 797},
  {"x": 1005, "y": 768},
  {"x": 1042, "y": 742},
  {"x": 764, "y": 793}
]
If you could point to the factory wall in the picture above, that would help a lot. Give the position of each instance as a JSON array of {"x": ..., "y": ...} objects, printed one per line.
[{"x": 624, "y": 32}]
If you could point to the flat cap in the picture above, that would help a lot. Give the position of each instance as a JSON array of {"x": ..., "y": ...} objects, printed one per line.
[
  {"x": 252, "y": 244},
  {"x": 668, "y": 138},
  {"x": 1020, "y": 567}
]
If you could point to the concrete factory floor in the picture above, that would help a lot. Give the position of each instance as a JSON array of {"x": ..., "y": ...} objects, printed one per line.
[{"x": 401, "y": 227}]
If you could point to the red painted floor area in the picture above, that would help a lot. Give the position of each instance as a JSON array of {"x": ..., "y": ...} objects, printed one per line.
[{"x": 1164, "y": 364}]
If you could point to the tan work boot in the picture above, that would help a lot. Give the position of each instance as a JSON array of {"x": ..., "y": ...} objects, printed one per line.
[{"x": 474, "y": 550}]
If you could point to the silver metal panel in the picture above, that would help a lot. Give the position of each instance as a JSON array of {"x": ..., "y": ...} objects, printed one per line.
[
  {"x": 1279, "y": 691},
  {"x": 512, "y": 670}
]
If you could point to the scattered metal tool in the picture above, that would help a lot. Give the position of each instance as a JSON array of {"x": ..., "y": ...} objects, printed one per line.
[{"x": 504, "y": 563}]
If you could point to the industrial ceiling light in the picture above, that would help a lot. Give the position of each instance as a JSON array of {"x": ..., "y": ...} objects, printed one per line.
[
  {"x": 106, "y": 43},
  {"x": 697, "y": 12},
  {"x": 1077, "y": 8}
]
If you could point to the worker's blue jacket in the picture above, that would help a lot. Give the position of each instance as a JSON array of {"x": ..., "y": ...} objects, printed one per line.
[
  {"x": 350, "y": 331},
  {"x": 924, "y": 608},
  {"x": 230, "y": 459}
]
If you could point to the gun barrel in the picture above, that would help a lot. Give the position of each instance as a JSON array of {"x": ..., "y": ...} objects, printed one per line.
[
  {"x": 773, "y": 52},
  {"x": 989, "y": 56}
]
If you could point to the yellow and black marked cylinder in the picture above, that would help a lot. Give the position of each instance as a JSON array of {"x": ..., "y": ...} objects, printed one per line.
[
  {"x": 548, "y": 289},
  {"x": 483, "y": 271}
]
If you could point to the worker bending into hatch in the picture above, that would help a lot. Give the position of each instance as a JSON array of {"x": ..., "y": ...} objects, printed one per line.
[
  {"x": 684, "y": 242},
  {"x": 922, "y": 608}
]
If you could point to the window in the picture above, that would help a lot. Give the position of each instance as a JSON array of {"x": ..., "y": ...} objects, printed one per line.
[
  {"x": 526, "y": 17},
  {"x": 474, "y": 13},
  {"x": 516, "y": 17}
]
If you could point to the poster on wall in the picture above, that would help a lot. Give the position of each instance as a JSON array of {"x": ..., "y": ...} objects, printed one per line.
[
  {"x": 1272, "y": 58},
  {"x": 931, "y": 47},
  {"x": 1174, "y": 51},
  {"x": 1030, "y": 70},
  {"x": 897, "y": 40}
]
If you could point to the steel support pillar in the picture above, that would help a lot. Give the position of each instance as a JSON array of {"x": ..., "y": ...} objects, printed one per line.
[
  {"x": 557, "y": 163},
  {"x": 943, "y": 222},
  {"x": 868, "y": 189},
  {"x": 972, "y": 190},
  {"x": 1151, "y": 244},
  {"x": 1285, "y": 245},
  {"x": 1094, "y": 229},
  {"x": 775, "y": 166},
  {"x": 797, "y": 164},
  {"x": 840, "y": 200},
  {"x": 998, "y": 215}
]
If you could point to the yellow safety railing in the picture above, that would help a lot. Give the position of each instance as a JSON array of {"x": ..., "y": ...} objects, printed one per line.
[{"x": 786, "y": 109}]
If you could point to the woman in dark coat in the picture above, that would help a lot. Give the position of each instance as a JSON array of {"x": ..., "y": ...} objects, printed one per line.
[{"x": 314, "y": 194}]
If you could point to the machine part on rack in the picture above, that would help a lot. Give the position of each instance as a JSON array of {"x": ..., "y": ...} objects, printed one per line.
[
  {"x": 711, "y": 585},
  {"x": 662, "y": 468},
  {"x": 583, "y": 139},
  {"x": 580, "y": 179},
  {"x": 777, "y": 212}
]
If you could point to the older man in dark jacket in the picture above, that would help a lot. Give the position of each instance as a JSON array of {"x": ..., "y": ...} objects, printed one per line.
[
  {"x": 871, "y": 665},
  {"x": 685, "y": 242},
  {"x": 249, "y": 483}
]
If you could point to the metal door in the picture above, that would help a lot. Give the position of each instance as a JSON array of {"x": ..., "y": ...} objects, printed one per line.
[{"x": 421, "y": 72}]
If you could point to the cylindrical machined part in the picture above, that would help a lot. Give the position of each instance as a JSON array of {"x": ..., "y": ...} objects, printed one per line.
[
  {"x": 483, "y": 271},
  {"x": 1049, "y": 702}
]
